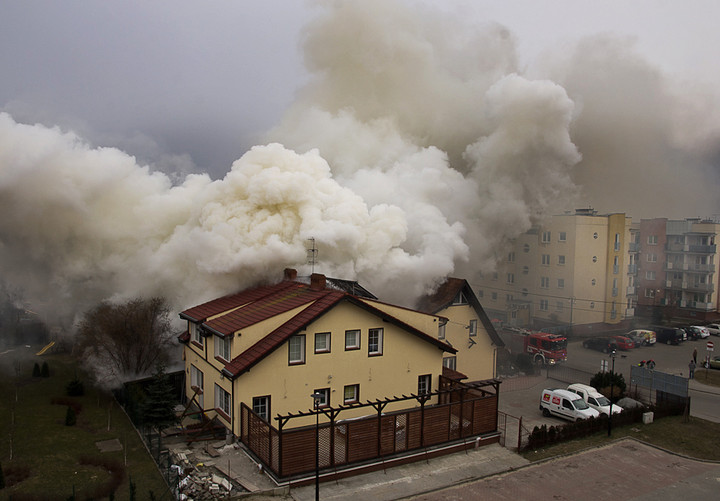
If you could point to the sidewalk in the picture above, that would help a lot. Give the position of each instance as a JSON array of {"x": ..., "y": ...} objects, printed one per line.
[{"x": 417, "y": 478}]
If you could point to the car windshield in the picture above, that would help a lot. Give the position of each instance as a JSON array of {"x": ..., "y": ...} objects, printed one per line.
[
  {"x": 580, "y": 404},
  {"x": 603, "y": 401},
  {"x": 558, "y": 345}
]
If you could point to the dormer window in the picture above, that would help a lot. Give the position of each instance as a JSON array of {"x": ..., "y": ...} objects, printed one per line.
[
  {"x": 460, "y": 298},
  {"x": 195, "y": 333}
]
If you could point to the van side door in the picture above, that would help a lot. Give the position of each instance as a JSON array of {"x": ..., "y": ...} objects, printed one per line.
[{"x": 567, "y": 409}]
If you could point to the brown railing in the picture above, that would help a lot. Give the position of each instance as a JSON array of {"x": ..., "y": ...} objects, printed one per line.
[{"x": 462, "y": 411}]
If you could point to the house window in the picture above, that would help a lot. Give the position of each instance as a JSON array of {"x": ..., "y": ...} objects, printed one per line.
[
  {"x": 546, "y": 259},
  {"x": 473, "y": 327},
  {"x": 352, "y": 339},
  {"x": 652, "y": 258},
  {"x": 480, "y": 293},
  {"x": 424, "y": 384},
  {"x": 525, "y": 270},
  {"x": 617, "y": 241},
  {"x": 296, "y": 349},
  {"x": 561, "y": 283},
  {"x": 650, "y": 275},
  {"x": 441, "y": 329},
  {"x": 197, "y": 380},
  {"x": 375, "y": 342},
  {"x": 460, "y": 297},
  {"x": 559, "y": 306},
  {"x": 222, "y": 347},
  {"x": 562, "y": 237},
  {"x": 546, "y": 237},
  {"x": 561, "y": 260},
  {"x": 324, "y": 397},
  {"x": 493, "y": 296},
  {"x": 652, "y": 240},
  {"x": 196, "y": 333},
  {"x": 543, "y": 305},
  {"x": 223, "y": 401},
  {"x": 450, "y": 362},
  {"x": 544, "y": 282},
  {"x": 649, "y": 292},
  {"x": 511, "y": 257},
  {"x": 351, "y": 394},
  {"x": 510, "y": 278},
  {"x": 322, "y": 342},
  {"x": 526, "y": 248},
  {"x": 261, "y": 406}
]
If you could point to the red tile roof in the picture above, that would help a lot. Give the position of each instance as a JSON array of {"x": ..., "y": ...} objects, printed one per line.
[
  {"x": 256, "y": 305},
  {"x": 444, "y": 297}
]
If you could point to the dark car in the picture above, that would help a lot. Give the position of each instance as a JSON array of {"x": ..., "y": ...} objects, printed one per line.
[
  {"x": 670, "y": 335},
  {"x": 604, "y": 344}
]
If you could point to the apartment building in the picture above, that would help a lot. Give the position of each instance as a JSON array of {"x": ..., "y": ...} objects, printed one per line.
[
  {"x": 677, "y": 269},
  {"x": 573, "y": 270}
]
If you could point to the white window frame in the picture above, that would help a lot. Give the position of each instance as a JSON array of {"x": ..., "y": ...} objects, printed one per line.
[
  {"x": 511, "y": 278},
  {"x": 299, "y": 359},
  {"x": 222, "y": 347},
  {"x": 441, "y": 329},
  {"x": 652, "y": 240},
  {"x": 650, "y": 275},
  {"x": 546, "y": 237},
  {"x": 350, "y": 343},
  {"x": 223, "y": 400},
  {"x": 261, "y": 406},
  {"x": 544, "y": 282},
  {"x": 322, "y": 342},
  {"x": 450, "y": 362},
  {"x": 351, "y": 394},
  {"x": 562, "y": 236},
  {"x": 652, "y": 258},
  {"x": 472, "y": 327},
  {"x": 561, "y": 260},
  {"x": 544, "y": 305},
  {"x": 375, "y": 341},
  {"x": 561, "y": 283},
  {"x": 324, "y": 400},
  {"x": 196, "y": 333},
  {"x": 545, "y": 259},
  {"x": 424, "y": 384}
]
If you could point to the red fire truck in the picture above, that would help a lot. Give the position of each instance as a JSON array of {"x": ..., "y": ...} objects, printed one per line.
[{"x": 543, "y": 347}]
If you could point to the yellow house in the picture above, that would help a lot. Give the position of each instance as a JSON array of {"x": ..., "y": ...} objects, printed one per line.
[
  {"x": 467, "y": 328},
  {"x": 272, "y": 347}
]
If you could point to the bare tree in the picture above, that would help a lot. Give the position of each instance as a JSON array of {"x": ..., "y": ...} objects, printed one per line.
[{"x": 124, "y": 340}]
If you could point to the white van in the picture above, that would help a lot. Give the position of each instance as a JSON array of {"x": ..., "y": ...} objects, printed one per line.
[
  {"x": 565, "y": 404},
  {"x": 595, "y": 399}
]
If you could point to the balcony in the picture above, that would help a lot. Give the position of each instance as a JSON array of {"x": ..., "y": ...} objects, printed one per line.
[
  {"x": 708, "y": 268},
  {"x": 630, "y": 290},
  {"x": 615, "y": 291},
  {"x": 629, "y": 312},
  {"x": 632, "y": 269},
  {"x": 634, "y": 247},
  {"x": 702, "y": 249},
  {"x": 701, "y": 306},
  {"x": 697, "y": 287}
]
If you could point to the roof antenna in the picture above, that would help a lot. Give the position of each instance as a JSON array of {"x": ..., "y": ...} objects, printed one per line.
[{"x": 312, "y": 255}]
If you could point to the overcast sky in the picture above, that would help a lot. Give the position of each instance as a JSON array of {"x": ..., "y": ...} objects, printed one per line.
[{"x": 192, "y": 85}]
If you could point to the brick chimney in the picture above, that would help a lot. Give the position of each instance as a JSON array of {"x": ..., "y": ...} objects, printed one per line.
[
  {"x": 290, "y": 274},
  {"x": 317, "y": 282}
]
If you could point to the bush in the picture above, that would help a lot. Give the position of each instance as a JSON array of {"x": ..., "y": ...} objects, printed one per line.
[
  {"x": 70, "y": 417},
  {"x": 36, "y": 370},
  {"x": 603, "y": 381},
  {"x": 75, "y": 388},
  {"x": 45, "y": 370},
  {"x": 2, "y": 478}
]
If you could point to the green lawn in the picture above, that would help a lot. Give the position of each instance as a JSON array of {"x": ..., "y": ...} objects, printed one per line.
[{"x": 35, "y": 441}]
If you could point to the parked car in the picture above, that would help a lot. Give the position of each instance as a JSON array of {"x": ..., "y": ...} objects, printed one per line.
[
  {"x": 642, "y": 337},
  {"x": 670, "y": 335},
  {"x": 594, "y": 399},
  {"x": 697, "y": 332},
  {"x": 623, "y": 342},
  {"x": 604, "y": 344},
  {"x": 565, "y": 404},
  {"x": 714, "y": 362},
  {"x": 713, "y": 329}
]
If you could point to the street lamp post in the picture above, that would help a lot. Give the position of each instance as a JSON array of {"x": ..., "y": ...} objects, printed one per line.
[
  {"x": 612, "y": 388},
  {"x": 317, "y": 396}
]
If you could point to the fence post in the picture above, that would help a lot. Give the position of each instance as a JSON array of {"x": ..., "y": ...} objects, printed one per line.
[{"x": 519, "y": 442}]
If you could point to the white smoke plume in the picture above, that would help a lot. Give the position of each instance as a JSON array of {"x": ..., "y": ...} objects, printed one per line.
[{"x": 415, "y": 151}]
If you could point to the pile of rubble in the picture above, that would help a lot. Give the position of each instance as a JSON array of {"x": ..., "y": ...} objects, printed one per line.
[{"x": 201, "y": 482}]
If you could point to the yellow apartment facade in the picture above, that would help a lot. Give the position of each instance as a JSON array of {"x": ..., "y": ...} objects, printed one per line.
[{"x": 574, "y": 270}]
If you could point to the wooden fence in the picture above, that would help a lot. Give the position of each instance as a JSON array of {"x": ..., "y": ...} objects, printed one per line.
[{"x": 462, "y": 411}]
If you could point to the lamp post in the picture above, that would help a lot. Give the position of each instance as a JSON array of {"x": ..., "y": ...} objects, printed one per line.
[
  {"x": 612, "y": 388},
  {"x": 317, "y": 397}
]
